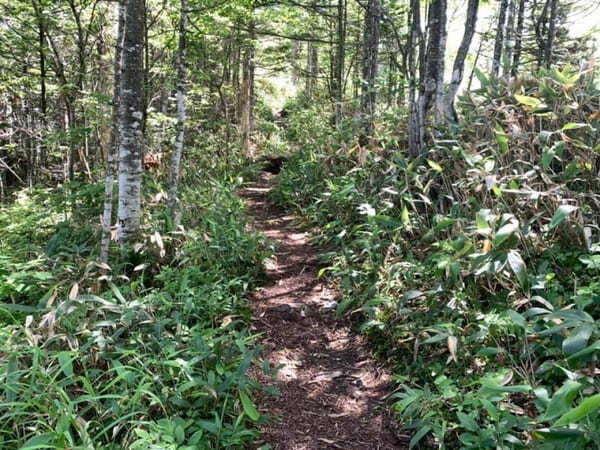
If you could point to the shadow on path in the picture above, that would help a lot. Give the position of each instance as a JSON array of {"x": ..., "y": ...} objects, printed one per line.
[{"x": 332, "y": 390}]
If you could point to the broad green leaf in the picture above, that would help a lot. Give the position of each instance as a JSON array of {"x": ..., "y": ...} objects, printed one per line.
[
  {"x": 561, "y": 213},
  {"x": 528, "y": 101},
  {"x": 482, "y": 224},
  {"x": 66, "y": 363},
  {"x": 577, "y": 340},
  {"x": 435, "y": 166},
  {"x": 505, "y": 232},
  {"x": 249, "y": 407},
  {"x": 40, "y": 441},
  {"x": 561, "y": 400},
  {"x": 418, "y": 436},
  {"x": 585, "y": 408},
  {"x": 517, "y": 265}
]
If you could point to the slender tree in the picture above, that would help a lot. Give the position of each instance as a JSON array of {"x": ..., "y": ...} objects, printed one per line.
[
  {"x": 369, "y": 72},
  {"x": 518, "y": 38},
  {"x": 459, "y": 62},
  {"x": 509, "y": 38},
  {"x": 131, "y": 116},
  {"x": 114, "y": 136},
  {"x": 499, "y": 37},
  {"x": 176, "y": 156}
]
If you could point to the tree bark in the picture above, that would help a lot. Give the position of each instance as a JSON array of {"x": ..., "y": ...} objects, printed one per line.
[
  {"x": 518, "y": 38},
  {"x": 340, "y": 57},
  {"x": 246, "y": 95},
  {"x": 131, "y": 116},
  {"x": 439, "y": 90},
  {"x": 508, "y": 38},
  {"x": 312, "y": 69},
  {"x": 499, "y": 38},
  {"x": 114, "y": 137},
  {"x": 176, "y": 156},
  {"x": 459, "y": 62},
  {"x": 416, "y": 140},
  {"x": 369, "y": 72},
  {"x": 551, "y": 28}
]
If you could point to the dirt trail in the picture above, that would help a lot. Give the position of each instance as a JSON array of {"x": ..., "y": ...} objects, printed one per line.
[{"x": 331, "y": 388}]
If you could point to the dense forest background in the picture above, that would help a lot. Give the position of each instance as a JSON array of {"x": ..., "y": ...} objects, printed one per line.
[{"x": 445, "y": 153}]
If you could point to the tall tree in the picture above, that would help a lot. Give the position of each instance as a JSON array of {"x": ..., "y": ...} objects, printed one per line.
[
  {"x": 340, "y": 59},
  {"x": 416, "y": 137},
  {"x": 176, "y": 156},
  {"x": 459, "y": 62},
  {"x": 499, "y": 37},
  {"x": 131, "y": 116},
  {"x": 114, "y": 136},
  {"x": 509, "y": 38},
  {"x": 518, "y": 38},
  {"x": 369, "y": 72}
]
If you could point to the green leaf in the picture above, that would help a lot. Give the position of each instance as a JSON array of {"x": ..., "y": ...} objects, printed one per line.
[
  {"x": 528, "y": 101},
  {"x": 418, "y": 436},
  {"x": 574, "y": 126},
  {"x": 41, "y": 441},
  {"x": 66, "y": 363},
  {"x": 405, "y": 216},
  {"x": 482, "y": 221},
  {"x": 585, "y": 408},
  {"x": 249, "y": 407},
  {"x": 467, "y": 422},
  {"x": 577, "y": 340},
  {"x": 505, "y": 232},
  {"x": 561, "y": 400},
  {"x": 12, "y": 377},
  {"x": 561, "y": 213},
  {"x": 483, "y": 79},
  {"x": 435, "y": 166},
  {"x": 517, "y": 265},
  {"x": 501, "y": 138}
]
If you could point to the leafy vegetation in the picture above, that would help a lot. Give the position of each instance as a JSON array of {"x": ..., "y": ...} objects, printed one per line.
[
  {"x": 478, "y": 263},
  {"x": 152, "y": 352}
]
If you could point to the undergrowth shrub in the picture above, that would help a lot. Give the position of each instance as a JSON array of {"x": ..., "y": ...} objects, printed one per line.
[
  {"x": 151, "y": 352},
  {"x": 475, "y": 269}
]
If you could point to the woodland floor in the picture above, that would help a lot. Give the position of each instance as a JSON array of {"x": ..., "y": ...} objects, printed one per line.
[{"x": 332, "y": 389}]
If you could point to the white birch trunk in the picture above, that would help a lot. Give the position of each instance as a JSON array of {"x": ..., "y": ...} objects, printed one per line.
[
  {"x": 131, "y": 135},
  {"x": 114, "y": 138},
  {"x": 176, "y": 157}
]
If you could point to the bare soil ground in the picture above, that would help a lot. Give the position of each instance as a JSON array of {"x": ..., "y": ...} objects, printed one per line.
[{"x": 332, "y": 389}]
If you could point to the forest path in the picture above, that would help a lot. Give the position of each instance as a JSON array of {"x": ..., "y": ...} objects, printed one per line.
[{"x": 331, "y": 388}]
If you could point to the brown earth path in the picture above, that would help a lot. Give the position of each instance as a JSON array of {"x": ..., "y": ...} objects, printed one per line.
[{"x": 332, "y": 390}]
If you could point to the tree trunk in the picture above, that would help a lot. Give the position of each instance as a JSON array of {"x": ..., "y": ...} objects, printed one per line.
[
  {"x": 459, "y": 62},
  {"x": 312, "y": 66},
  {"x": 246, "y": 97},
  {"x": 437, "y": 14},
  {"x": 114, "y": 137},
  {"x": 340, "y": 57},
  {"x": 294, "y": 53},
  {"x": 176, "y": 157},
  {"x": 551, "y": 28},
  {"x": 518, "y": 38},
  {"x": 369, "y": 72},
  {"x": 131, "y": 115},
  {"x": 416, "y": 140},
  {"x": 439, "y": 90},
  {"x": 508, "y": 38},
  {"x": 499, "y": 38}
]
